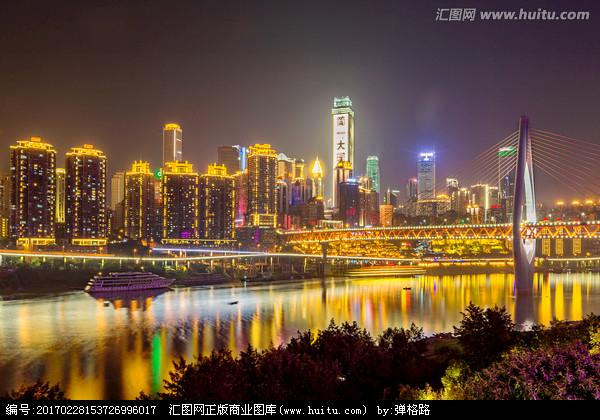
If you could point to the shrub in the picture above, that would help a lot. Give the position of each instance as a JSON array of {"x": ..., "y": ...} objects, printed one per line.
[{"x": 560, "y": 372}]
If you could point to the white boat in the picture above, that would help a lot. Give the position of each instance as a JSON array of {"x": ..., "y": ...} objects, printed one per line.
[{"x": 127, "y": 281}]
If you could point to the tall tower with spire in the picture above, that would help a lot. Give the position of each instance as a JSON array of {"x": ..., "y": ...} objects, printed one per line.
[{"x": 316, "y": 179}]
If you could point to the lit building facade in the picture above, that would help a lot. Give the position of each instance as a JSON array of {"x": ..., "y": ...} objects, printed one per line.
[
  {"x": 426, "y": 176},
  {"x": 85, "y": 213},
  {"x": 140, "y": 210},
  {"x": 342, "y": 172},
  {"x": 373, "y": 172},
  {"x": 316, "y": 179},
  {"x": 4, "y": 205},
  {"x": 216, "y": 203},
  {"x": 172, "y": 143},
  {"x": 342, "y": 134},
  {"x": 32, "y": 192},
  {"x": 262, "y": 171},
  {"x": 241, "y": 197},
  {"x": 392, "y": 197},
  {"x": 180, "y": 202},
  {"x": 386, "y": 215},
  {"x": 349, "y": 203},
  {"x": 117, "y": 189},
  {"x": 411, "y": 189},
  {"x": 61, "y": 177}
]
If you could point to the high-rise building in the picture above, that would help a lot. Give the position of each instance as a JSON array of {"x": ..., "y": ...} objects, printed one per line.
[
  {"x": 216, "y": 203},
  {"x": 373, "y": 172},
  {"x": 452, "y": 190},
  {"x": 262, "y": 171},
  {"x": 241, "y": 197},
  {"x": 392, "y": 197},
  {"x": 316, "y": 179},
  {"x": 180, "y": 202},
  {"x": 349, "y": 203},
  {"x": 386, "y": 215},
  {"x": 32, "y": 192},
  {"x": 313, "y": 212},
  {"x": 139, "y": 206},
  {"x": 243, "y": 158},
  {"x": 342, "y": 133},
  {"x": 342, "y": 172},
  {"x": 61, "y": 177},
  {"x": 230, "y": 157},
  {"x": 172, "y": 143},
  {"x": 85, "y": 214},
  {"x": 506, "y": 181},
  {"x": 283, "y": 203},
  {"x": 411, "y": 189},
  {"x": 4, "y": 205},
  {"x": 481, "y": 198},
  {"x": 117, "y": 189},
  {"x": 426, "y": 176},
  {"x": 298, "y": 192},
  {"x": 369, "y": 203}
]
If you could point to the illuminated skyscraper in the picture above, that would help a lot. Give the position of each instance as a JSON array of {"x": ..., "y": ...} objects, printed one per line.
[
  {"x": 349, "y": 201},
  {"x": 411, "y": 189},
  {"x": 342, "y": 133},
  {"x": 61, "y": 177},
  {"x": 373, "y": 172},
  {"x": 180, "y": 202},
  {"x": 32, "y": 192},
  {"x": 342, "y": 172},
  {"x": 216, "y": 203},
  {"x": 426, "y": 176},
  {"x": 172, "y": 143},
  {"x": 262, "y": 171},
  {"x": 506, "y": 181},
  {"x": 316, "y": 178},
  {"x": 85, "y": 210},
  {"x": 392, "y": 197},
  {"x": 117, "y": 189},
  {"x": 369, "y": 203},
  {"x": 140, "y": 212},
  {"x": 241, "y": 197},
  {"x": 4, "y": 205}
]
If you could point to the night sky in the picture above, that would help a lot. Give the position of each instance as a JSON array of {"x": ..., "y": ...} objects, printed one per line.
[{"x": 112, "y": 73}]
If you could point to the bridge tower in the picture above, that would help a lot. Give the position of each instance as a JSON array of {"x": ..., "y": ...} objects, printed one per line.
[{"x": 523, "y": 211}]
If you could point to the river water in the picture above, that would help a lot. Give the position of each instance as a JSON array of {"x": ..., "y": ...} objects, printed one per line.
[{"x": 114, "y": 348}]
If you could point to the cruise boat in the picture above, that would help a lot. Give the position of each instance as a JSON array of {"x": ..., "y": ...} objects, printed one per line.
[{"x": 127, "y": 281}]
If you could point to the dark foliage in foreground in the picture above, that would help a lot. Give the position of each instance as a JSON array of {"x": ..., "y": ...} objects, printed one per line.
[
  {"x": 37, "y": 391},
  {"x": 340, "y": 362}
]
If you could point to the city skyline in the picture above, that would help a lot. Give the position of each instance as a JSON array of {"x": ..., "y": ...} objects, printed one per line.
[{"x": 399, "y": 112}]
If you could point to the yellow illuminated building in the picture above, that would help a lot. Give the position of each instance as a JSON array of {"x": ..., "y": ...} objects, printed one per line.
[
  {"x": 172, "y": 143},
  {"x": 139, "y": 201},
  {"x": 180, "y": 202},
  {"x": 61, "y": 176},
  {"x": 262, "y": 199},
  {"x": 33, "y": 192},
  {"x": 217, "y": 203},
  {"x": 316, "y": 176},
  {"x": 85, "y": 204}
]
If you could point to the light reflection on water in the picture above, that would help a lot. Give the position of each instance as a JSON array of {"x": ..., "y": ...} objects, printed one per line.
[{"x": 113, "y": 349}]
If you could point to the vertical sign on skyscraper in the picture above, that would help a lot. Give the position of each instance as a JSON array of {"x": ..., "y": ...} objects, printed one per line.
[{"x": 342, "y": 119}]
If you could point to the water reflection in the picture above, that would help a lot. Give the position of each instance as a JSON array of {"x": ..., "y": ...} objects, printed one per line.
[{"x": 115, "y": 346}]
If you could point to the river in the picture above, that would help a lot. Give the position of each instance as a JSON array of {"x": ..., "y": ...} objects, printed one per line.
[{"x": 113, "y": 349}]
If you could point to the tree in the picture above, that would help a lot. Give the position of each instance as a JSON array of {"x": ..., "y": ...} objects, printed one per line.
[{"x": 484, "y": 334}]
